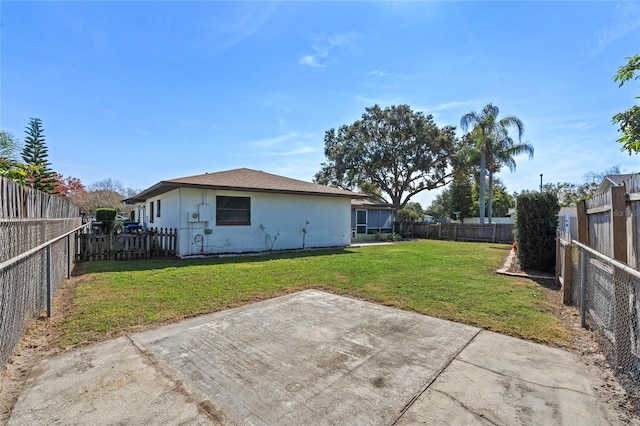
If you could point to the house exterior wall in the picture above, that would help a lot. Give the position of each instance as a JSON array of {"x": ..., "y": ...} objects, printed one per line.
[
  {"x": 281, "y": 216},
  {"x": 169, "y": 211}
]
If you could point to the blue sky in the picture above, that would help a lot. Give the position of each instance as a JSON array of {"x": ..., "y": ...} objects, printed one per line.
[{"x": 145, "y": 91}]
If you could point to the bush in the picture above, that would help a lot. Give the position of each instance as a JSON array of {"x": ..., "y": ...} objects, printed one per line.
[
  {"x": 536, "y": 224},
  {"x": 107, "y": 217}
]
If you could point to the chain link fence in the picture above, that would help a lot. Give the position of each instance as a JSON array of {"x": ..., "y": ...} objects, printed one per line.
[
  {"x": 607, "y": 293},
  {"x": 36, "y": 252},
  {"x": 35, "y": 256}
]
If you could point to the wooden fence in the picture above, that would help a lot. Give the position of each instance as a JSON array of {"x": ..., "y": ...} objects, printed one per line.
[
  {"x": 564, "y": 265},
  {"x": 17, "y": 201},
  {"x": 610, "y": 222},
  {"x": 492, "y": 233},
  {"x": 155, "y": 242}
]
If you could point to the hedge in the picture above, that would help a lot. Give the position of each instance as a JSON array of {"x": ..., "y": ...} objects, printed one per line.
[{"x": 536, "y": 224}]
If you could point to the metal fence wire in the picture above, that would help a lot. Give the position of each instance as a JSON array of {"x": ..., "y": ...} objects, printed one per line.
[
  {"x": 608, "y": 295},
  {"x": 26, "y": 284},
  {"x": 36, "y": 248}
]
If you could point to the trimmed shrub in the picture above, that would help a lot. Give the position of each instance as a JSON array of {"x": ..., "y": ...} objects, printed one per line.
[
  {"x": 536, "y": 224},
  {"x": 107, "y": 217}
]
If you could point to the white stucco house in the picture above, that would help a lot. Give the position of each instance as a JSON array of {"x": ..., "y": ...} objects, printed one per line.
[{"x": 244, "y": 210}]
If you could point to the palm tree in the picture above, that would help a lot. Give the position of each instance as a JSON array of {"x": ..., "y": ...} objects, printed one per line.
[
  {"x": 484, "y": 126},
  {"x": 500, "y": 152}
]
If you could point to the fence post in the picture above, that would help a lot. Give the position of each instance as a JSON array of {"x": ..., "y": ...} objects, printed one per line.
[
  {"x": 87, "y": 246},
  {"x": 49, "y": 284},
  {"x": 619, "y": 223},
  {"x": 583, "y": 223},
  {"x": 494, "y": 232},
  {"x": 583, "y": 283},
  {"x": 68, "y": 256},
  {"x": 567, "y": 273},
  {"x": 175, "y": 241},
  {"x": 558, "y": 259},
  {"x": 621, "y": 297},
  {"x": 147, "y": 243}
]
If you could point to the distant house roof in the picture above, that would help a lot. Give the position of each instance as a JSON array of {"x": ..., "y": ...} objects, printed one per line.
[
  {"x": 367, "y": 202},
  {"x": 242, "y": 180},
  {"x": 613, "y": 180}
]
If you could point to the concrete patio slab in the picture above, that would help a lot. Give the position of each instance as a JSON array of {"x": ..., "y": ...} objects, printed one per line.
[
  {"x": 307, "y": 358},
  {"x": 312, "y": 358},
  {"x": 106, "y": 384},
  {"x": 501, "y": 380}
]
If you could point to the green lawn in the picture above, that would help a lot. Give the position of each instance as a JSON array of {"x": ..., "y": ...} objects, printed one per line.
[{"x": 450, "y": 280}]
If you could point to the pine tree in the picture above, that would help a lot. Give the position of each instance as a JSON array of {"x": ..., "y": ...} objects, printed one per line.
[{"x": 35, "y": 154}]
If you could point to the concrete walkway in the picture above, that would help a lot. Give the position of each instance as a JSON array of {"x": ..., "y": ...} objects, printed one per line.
[{"x": 312, "y": 358}]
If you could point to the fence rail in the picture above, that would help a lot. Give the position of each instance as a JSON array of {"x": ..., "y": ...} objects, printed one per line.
[
  {"x": 492, "y": 233},
  {"x": 155, "y": 242}
]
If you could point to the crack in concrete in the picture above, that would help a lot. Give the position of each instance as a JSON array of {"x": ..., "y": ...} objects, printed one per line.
[
  {"x": 177, "y": 384},
  {"x": 430, "y": 382},
  {"x": 467, "y": 408},
  {"x": 525, "y": 380}
]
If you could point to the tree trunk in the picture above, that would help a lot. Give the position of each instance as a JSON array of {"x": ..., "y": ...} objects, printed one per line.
[
  {"x": 483, "y": 167},
  {"x": 490, "y": 194}
]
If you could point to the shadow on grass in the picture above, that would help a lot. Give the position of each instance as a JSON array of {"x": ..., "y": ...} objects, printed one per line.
[
  {"x": 98, "y": 266},
  {"x": 549, "y": 283},
  {"x": 498, "y": 246}
]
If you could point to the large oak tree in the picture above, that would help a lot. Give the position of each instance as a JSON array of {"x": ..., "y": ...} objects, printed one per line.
[{"x": 394, "y": 152}]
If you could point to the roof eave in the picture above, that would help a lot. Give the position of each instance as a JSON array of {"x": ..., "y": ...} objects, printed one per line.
[{"x": 165, "y": 186}]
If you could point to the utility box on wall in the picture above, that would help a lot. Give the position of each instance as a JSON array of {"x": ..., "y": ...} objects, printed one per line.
[
  {"x": 193, "y": 217},
  {"x": 204, "y": 212}
]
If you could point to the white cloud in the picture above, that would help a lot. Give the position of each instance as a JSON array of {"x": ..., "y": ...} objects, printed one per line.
[
  {"x": 285, "y": 145},
  {"x": 627, "y": 20},
  {"x": 238, "y": 23},
  {"x": 313, "y": 60},
  {"x": 321, "y": 50},
  {"x": 342, "y": 40},
  {"x": 378, "y": 73},
  {"x": 583, "y": 125},
  {"x": 275, "y": 141},
  {"x": 449, "y": 105},
  {"x": 297, "y": 150}
]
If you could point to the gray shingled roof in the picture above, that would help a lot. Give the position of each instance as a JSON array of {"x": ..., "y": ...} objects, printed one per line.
[
  {"x": 243, "y": 180},
  {"x": 368, "y": 202}
]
